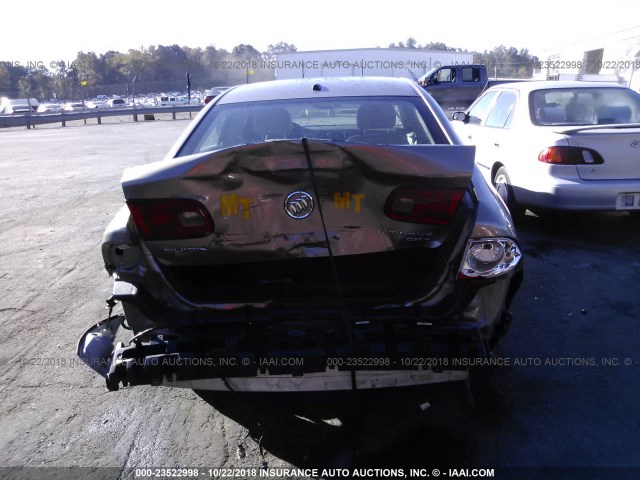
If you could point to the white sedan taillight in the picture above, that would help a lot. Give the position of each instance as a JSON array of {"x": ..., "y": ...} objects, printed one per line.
[{"x": 570, "y": 156}]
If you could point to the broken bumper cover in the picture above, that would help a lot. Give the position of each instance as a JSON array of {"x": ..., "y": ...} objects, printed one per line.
[{"x": 261, "y": 359}]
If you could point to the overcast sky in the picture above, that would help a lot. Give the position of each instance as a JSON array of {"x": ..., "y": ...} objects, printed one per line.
[{"x": 39, "y": 30}]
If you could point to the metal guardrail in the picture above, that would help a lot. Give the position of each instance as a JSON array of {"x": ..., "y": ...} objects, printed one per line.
[{"x": 32, "y": 119}]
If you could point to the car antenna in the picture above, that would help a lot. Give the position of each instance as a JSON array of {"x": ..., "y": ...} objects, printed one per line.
[{"x": 336, "y": 278}]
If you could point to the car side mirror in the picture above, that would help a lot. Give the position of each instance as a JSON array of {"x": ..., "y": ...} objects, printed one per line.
[{"x": 460, "y": 116}]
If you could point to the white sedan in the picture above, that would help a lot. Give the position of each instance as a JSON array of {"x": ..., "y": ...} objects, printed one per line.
[
  {"x": 558, "y": 145},
  {"x": 73, "y": 107},
  {"x": 49, "y": 108},
  {"x": 97, "y": 104}
]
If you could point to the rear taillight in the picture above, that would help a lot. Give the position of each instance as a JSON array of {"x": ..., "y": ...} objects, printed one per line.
[
  {"x": 423, "y": 205},
  {"x": 170, "y": 219},
  {"x": 570, "y": 156},
  {"x": 489, "y": 257}
]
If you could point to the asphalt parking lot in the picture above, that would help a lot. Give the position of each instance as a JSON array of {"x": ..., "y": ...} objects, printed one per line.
[{"x": 565, "y": 402}]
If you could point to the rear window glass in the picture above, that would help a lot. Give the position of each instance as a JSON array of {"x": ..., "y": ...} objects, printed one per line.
[
  {"x": 372, "y": 120},
  {"x": 584, "y": 106}
]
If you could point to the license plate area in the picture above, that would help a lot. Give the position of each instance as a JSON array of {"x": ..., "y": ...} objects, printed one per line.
[{"x": 628, "y": 201}]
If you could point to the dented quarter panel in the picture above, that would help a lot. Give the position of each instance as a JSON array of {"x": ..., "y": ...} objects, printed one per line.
[{"x": 492, "y": 218}]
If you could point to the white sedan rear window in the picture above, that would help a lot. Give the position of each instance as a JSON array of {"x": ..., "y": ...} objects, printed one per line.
[{"x": 585, "y": 106}]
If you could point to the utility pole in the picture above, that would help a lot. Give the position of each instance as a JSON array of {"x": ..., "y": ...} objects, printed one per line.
[
  {"x": 188, "y": 86},
  {"x": 133, "y": 90}
]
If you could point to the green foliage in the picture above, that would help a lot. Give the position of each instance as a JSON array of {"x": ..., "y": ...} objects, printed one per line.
[
  {"x": 10, "y": 77},
  {"x": 277, "y": 49},
  {"x": 507, "y": 62},
  {"x": 411, "y": 43},
  {"x": 156, "y": 68},
  {"x": 503, "y": 62}
]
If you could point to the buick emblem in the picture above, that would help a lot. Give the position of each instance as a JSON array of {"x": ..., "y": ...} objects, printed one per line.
[
  {"x": 635, "y": 144},
  {"x": 298, "y": 205}
]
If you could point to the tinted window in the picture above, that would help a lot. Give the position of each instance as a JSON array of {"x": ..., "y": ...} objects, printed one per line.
[
  {"x": 371, "y": 120},
  {"x": 501, "y": 112},
  {"x": 470, "y": 74},
  {"x": 584, "y": 106},
  {"x": 479, "y": 111}
]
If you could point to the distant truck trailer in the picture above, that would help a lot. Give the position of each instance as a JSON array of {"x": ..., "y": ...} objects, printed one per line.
[{"x": 361, "y": 62}]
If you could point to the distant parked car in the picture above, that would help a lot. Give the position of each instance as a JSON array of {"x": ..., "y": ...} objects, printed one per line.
[
  {"x": 74, "y": 107},
  {"x": 174, "y": 100},
  {"x": 97, "y": 104},
  {"x": 49, "y": 108},
  {"x": 116, "y": 103},
  {"x": 214, "y": 92},
  {"x": 558, "y": 145},
  {"x": 18, "y": 106}
]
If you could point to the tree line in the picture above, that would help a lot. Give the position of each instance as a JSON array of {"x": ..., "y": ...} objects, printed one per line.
[
  {"x": 155, "y": 68},
  {"x": 507, "y": 62}
]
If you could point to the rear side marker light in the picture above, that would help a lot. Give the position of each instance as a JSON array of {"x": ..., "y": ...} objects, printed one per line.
[
  {"x": 490, "y": 257},
  {"x": 570, "y": 156},
  {"x": 170, "y": 219},
  {"x": 423, "y": 205}
]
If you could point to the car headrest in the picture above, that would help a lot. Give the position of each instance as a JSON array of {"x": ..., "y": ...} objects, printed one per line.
[
  {"x": 270, "y": 123},
  {"x": 579, "y": 112},
  {"x": 614, "y": 114},
  {"x": 376, "y": 115}
]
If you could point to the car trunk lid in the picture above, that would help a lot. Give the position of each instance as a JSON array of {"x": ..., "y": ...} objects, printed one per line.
[
  {"x": 386, "y": 212},
  {"x": 618, "y": 145}
]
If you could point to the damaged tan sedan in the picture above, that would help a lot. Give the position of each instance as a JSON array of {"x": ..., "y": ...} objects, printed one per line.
[{"x": 307, "y": 235}]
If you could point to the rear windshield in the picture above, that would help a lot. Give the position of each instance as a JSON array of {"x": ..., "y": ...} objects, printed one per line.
[
  {"x": 372, "y": 120},
  {"x": 585, "y": 106}
]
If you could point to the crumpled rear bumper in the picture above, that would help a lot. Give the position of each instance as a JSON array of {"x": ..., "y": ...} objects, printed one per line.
[
  {"x": 283, "y": 357},
  {"x": 96, "y": 345}
]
